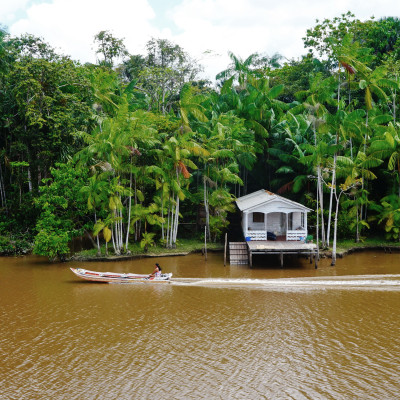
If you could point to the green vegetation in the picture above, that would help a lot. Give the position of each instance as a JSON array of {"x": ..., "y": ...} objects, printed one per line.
[
  {"x": 123, "y": 151},
  {"x": 14, "y": 245},
  {"x": 368, "y": 243},
  {"x": 184, "y": 246}
]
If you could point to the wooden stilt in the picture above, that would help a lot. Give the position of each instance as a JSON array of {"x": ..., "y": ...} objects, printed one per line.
[
  {"x": 226, "y": 245},
  {"x": 250, "y": 259},
  {"x": 281, "y": 259},
  {"x": 316, "y": 261}
]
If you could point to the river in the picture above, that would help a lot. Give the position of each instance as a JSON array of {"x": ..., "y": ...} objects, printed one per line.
[{"x": 215, "y": 332}]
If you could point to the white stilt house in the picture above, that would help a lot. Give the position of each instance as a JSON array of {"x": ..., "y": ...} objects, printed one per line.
[{"x": 264, "y": 212}]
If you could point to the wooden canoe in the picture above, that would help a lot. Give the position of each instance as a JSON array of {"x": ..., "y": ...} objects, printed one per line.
[{"x": 112, "y": 277}]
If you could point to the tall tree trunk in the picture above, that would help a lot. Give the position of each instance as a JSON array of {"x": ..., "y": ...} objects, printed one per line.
[
  {"x": 357, "y": 227},
  {"x": 362, "y": 176},
  {"x": 89, "y": 236},
  {"x": 335, "y": 232},
  {"x": 334, "y": 167},
  {"x": 171, "y": 223},
  {"x": 171, "y": 235},
  {"x": 113, "y": 239},
  {"x": 136, "y": 223},
  {"x": 167, "y": 227},
  {"x": 317, "y": 227},
  {"x": 97, "y": 237},
  {"x": 176, "y": 216},
  {"x": 121, "y": 231},
  {"x": 162, "y": 211},
  {"x": 176, "y": 220},
  {"x": 351, "y": 149},
  {"x": 394, "y": 105},
  {"x": 206, "y": 210},
  {"x": 117, "y": 231},
  {"x": 29, "y": 180},
  {"x": 331, "y": 200},
  {"x": 321, "y": 202},
  {"x": 129, "y": 209}
]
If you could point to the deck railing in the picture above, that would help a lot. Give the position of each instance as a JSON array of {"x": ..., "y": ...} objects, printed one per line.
[
  {"x": 290, "y": 235},
  {"x": 296, "y": 235},
  {"x": 256, "y": 235}
]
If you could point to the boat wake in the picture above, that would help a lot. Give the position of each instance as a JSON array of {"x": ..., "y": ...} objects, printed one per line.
[{"x": 355, "y": 282}]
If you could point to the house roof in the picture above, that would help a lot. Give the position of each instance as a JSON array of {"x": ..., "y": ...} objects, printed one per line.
[{"x": 255, "y": 199}]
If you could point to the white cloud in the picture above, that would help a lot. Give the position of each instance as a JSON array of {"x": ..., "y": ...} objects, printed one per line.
[
  {"x": 240, "y": 26},
  {"x": 8, "y": 9},
  {"x": 248, "y": 26},
  {"x": 72, "y": 24}
]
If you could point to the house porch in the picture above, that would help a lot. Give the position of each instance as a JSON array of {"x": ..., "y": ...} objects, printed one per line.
[{"x": 286, "y": 226}]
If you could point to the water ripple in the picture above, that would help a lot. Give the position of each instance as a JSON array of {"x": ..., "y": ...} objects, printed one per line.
[{"x": 303, "y": 338}]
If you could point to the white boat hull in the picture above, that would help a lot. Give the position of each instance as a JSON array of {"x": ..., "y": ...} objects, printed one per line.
[{"x": 111, "y": 277}]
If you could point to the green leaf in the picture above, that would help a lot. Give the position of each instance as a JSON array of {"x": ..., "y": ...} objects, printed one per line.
[
  {"x": 381, "y": 119},
  {"x": 98, "y": 227},
  {"x": 107, "y": 234},
  {"x": 140, "y": 195},
  {"x": 363, "y": 84},
  {"x": 275, "y": 91},
  {"x": 285, "y": 170}
]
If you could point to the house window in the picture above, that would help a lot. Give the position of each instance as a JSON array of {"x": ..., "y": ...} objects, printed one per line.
[{"x": 258, "y": 217}]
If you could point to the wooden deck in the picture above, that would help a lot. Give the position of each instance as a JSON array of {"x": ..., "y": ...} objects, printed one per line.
[
  {"x": 281, "y": 248},
  {"x": 242, "y": 252},
  {"x": 270, "y": 246}
]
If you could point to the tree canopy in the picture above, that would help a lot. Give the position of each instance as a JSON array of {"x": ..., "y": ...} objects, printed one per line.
[{"x": 124, "y": 150}]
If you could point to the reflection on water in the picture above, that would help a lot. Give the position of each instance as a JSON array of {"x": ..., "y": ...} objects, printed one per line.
[{"x": 214, "y": 332}]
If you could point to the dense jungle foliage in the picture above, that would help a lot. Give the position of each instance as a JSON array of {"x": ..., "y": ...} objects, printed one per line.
[{"x": 137, "y": 148}]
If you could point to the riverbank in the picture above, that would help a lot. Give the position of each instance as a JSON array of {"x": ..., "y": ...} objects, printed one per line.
[
  {"x": 183, "y": 248},
  {"x": 186, "y": 246},
  {"x": 346, "y": 247},
  {"x": 15, "y": 245}
]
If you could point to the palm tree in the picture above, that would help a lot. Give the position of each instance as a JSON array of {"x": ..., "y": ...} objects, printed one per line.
[
  {"x": 176, "y": 155},
  {"x": 320, "y": 93},
  {"x": 106, "y": 91},
  {"x": 190, "y": 105},
  {"x": 344, "y": 188},
  {"x": 228, "y": 145},
  {"x": 393, "y": 73},
  {"x": 95, "y": 192},
  {"x": 351, "y": 170},
  {"x": 388, "y": 146},
  {"x": 136, "y": 133},
  {"x": 239, "y": 69},
  {"x": 161, "y": 181},
  {"x": 350, "y": 56},
  {"x": 104, "y": 226},
  {"x": 389, "y": 211}
]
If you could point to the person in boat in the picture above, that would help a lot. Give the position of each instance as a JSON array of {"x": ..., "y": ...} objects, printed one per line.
[{"x": 156, "y": 272}]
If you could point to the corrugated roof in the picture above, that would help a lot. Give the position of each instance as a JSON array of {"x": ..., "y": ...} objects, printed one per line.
[{"x": 263, "y": 196}]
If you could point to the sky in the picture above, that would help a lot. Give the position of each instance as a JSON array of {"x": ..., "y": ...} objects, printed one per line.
[{"x": 206, "y": 29}]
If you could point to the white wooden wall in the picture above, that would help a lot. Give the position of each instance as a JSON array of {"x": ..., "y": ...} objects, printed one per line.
[{"x": 276, "y": 222}]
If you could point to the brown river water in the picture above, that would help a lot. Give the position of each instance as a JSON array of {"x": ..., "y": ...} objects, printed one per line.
[{"x": 215, "y": 332}]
